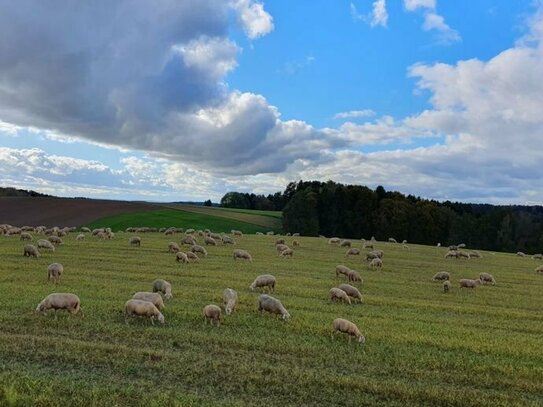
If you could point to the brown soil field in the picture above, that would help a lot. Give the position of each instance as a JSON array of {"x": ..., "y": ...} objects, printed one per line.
[{"x": 35, "y": 211}]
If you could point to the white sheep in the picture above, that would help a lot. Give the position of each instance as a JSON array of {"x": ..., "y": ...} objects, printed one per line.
[
  {"x": 353, "y": 251},
  {"x": 242, "y": 254},
  {"x": 54, "y": 271},
  {"x": 280, "y": 247},
  {"x": 392, "y": 240},
  {"x": 345, "y": 243},
  {"x": 341, "y": 269},
  {"x": 192, "y": 256},
  {"x": 521, "y": 254},
  {"x": 209, "y": 241},
  {"x": 188, "y": 240},
  {"x": 60, "y": 301},
  {"x": 468, "y": 283},
  {"x": 140, "y": 308},
  {"x": 352, "y": 292},
  {"x": 376, "y": 263},
  {"x": 173, "y": 247},
  {"x": 227, "y": 240},
  {"x": 353, "y": 276},
  {"x": 537, "y": 256},
  {"x": 45, "y": 244},
  {"x": 31, "y": 251},
  {"x": 347, "y": 327},
  {"x": 263, "y": 281},
  {"x": 441, "y": 276},
  {"x": 85, "y": 230},
  {"x": 287, "y": 253},
  {"x": 451, "y": 253},
  {"x": 337, "y": 294},
  {"x": 198, "y": 249},
  {"x": 295, "y": 234},
  {"x": 446, "y": 286},
  {"x": 487, "y": 278},
  {"x": 57, "y": 241},
  {"x": 230, "y": 299},
  {"x": 212, "y": 313},
  {"x": 295, "y": 243},
  {"x": 272, "y": 305},
  {"x": 368, "y": 246},
  {"x": 237, "y": 233},
  {"x": 279, "y": 241},
  {"x": 135, "y": 241},
  {"x": 181, "y": 257},
  {"x": 475, "y": 254},
  {"x": 164, "y": 287},
  {"x": 154, "y": 298},
  {"x": 334, "y": 240},
  {"x": 539, "y": 269},
  {"x": 26, "y": 236},
  {"x": 80, "y": 236}
]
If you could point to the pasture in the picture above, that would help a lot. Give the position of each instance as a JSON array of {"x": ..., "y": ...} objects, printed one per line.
[{"x": 479, "y": 347}]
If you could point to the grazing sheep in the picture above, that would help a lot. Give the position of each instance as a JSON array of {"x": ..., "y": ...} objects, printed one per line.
[
  {"x": 377, "y": 262},
  {"x": 80, "y": 236},
  {"x": 135, "y": 241},
  {"x": 189, "y": 231},
  {"x": 334, "y": 240},
  {"x": 272, "y": 305},
  {"x": 85, "y": 230},
  {"x": 26, "y": 236},
  {"x": 208, "y": 240},
  {"x": 521, "y": 254},
  {"x": 341, "y": 269},
  {"x": 192, "y": 256},
  {"x": 169, "y": 231},
  {"x": 263, "y": 281},
  {"x": 538, "y": 256},
  {"x": 461, "y": 245},
  {"x": 140, "y": 308},
  {"x": 238, "y": 233},
  {"x": 347, "y": 327},
  {"x": 215, "y": 236},
  {"x": 353, "y": 276},
  {"x": 461, "y": 253},
  {"x": 242, "y": 254},
  {"x": 31, "y": 251},
  {"x": 154, "y": 298},
  {"x": 201, "y": 233},
  {"x": 54, "y": 271},
  {"x": 487, "y": 278},
  {"x": 181, "y": 257},
  {"x": 295, "y": 234},
  {"x": 173, "y": 247},
  {"x": 353, "y": 251},
  {"x": 57, "y": 241},
  {"x": 392, "y": 240},
  {"x": 441, "y": 276},
  {"x": 453, "y": 247},
  {"x": 539, "y": 269},
  {"x": 446, "y": 286},
  {"x": 352, "y": 292},
  {"x": 259, "y": 234},
  {"x": 451, "y": 253},
  {"x": 66, "y": 301},
  {"x": 287, "y": 253},
  {"x": 198, "y": 249},
  {"x": 337, "y": 294},
  {"x": 280, "y": 247},
  {"x": 279, "y": 241},
  {"x": 230, "y": 299},
  {"x": 475, "y": 254},
  {"x": 212, "y": 313},
  {"x": 45, "y": 244},
  {"x": 345, "y": 243},
  {"x": 374, "y": 254},
  {"x": 270, "y": 233},
  {"x": 163, "y": 287},
  {"x": 188, "y": 240},
  {"x": 368, "y": 246},
  {"x": 227, "y": 240},
  {"x": 468, "y": 283},
  {"x": 295, "y": 243}
]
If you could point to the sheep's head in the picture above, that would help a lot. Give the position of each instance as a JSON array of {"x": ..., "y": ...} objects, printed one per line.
[
  {"x": 161, "y": 318},
  {"x": 168, "y": 296},
  {"x": 286, "y": 316},
  {"x": 361, "y": 339},
  {"x": 40, "y": 307}
]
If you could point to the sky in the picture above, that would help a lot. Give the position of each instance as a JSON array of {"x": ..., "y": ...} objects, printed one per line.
[{"x": 186, "y": 100}]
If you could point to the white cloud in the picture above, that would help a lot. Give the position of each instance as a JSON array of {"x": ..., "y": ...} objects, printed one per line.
[
  {"x": 377, "y": 17},
  {"x": 254, "y": 19},
  {"x": 412, "y": 5},
  {"x": 293, "y": 67},
  {"x": 433, "y": 21},
  {"x": 354, "y": 114}
]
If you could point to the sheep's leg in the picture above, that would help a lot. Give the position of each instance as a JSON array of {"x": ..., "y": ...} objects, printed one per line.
[{"x": 153, "y": 320}]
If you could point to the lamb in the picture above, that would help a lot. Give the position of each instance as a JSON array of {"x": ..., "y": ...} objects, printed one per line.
[
  {"x": 263, "y": 281},
  {"x": 334, "y": 240},
  {"x": 140, "y": 308},
  {"x": 135, "y": 241},
  {"x": 280, "y": 247},
  {"x": 538, "y": 256},
  {"x": 66, "y": 301},
  {"x": 345, "y": 243},
  {"x": 353, "y": 251},
  {"x": 242, "y": 254},
  {"x": 212, "y": 313},
  {"x": 54, "y": 271},
  {"x": 31, "y": 251},
  {"x": 272, "y": 305},
  {"x": 377, "y": 262},
  {"x": 192, "y": 256},
  {"x": 353, "y": 276},
  {"x": 80, "y": 236},
  {"x": 208, "y": 240},
  {"x": 468, "y": 283},
  {"x": 230, "y": 299},
  {"x": 57, "y": 241},
  {"x": 337, "y": 294},
  {"x": 173, "y": 247},
  {"x": 227, "y": 240},
  {"x": 487, "y": 278},
  {"x": 154, "y": 298},
  {"x": 287, "y": 253},
  {"x": 163, "y": 287},
  {"x": 279, "y": 241},
  {"x": 347, "y": 327},
  {"x": 446, "y": 286},
  {"x": 45, "y": 244},
  {"x": 198, "y": 249},
  {"x": 441, "y": 276},
  {"x": 181, "y": 257},
  {"x": 352, "y": 292},
  {"x": 26, "y": 236},
  {"x": 341, "y": 269}
]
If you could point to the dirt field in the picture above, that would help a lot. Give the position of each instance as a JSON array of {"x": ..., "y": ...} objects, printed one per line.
[{"x": 33, "y": 211}]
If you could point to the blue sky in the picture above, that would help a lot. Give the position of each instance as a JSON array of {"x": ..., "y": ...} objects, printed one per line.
[{"x": 186, "y": 100}]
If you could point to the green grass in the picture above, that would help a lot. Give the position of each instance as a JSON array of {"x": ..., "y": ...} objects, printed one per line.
[
  {"x": 477, "y": 347},
  {"x": 175, "y": 218},
  {"x": 273, "y": 214}
]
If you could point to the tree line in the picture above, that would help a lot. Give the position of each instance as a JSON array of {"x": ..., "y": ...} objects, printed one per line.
[{"x": 315, "y": 208}]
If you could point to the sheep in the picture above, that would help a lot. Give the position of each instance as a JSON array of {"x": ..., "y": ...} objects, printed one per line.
[
  {"x": 45, "y": 244},
  {"x": 85, "y": 230},
  {"x": 237, "y": 233},
  {"x": 230, "y": 299},
  {"x": 227, "y": 240},
  {"x": 353, "y": 251},
  {"x": 441, "y": 276},
  {"x": 446, "y": 286},
  {"x": 392, "y": 240},
  {"x": 295, "y": 234},
  {"x": 272, "y": 305},
  {"x": 192, "y": 256},
  {"x": 181, "y": 257},
  {"x": 353, "y": 276},
  {"x": 270, "y": 233},
  {"x": 173, "y": 247},
  {"x": 295, "y": 243},
  {"x": 347, "y": 327},
  {"x": 287, "y": 253},
  {"x": 345, "y": 243},
  {"x": 57, "y": 241},
  {"x": 188, "y": 240},
  {"x": 334, "y": 240},
  {"x": 368, "y": 246},
  {"x": 468, "y": 283},
  {"x": 54, "y": 271},
  {"x": 198, "y": 249},
  {"x": 263, "y": 281},
  {"x": 475, "y": 254},
  {"x": 242, "y": 254},
  {"x": 487, "y": 278},
  {"x": 461, "y": 245},
  {"x": 135, "y": 241},
  {"x": 451, "y": 253},
  {"x": 337, "y": 294},
  {"x": 374, "y": 254},
  {"x": 259, "y": 234},
  {"x": 210, "y": 241},
  {"x": 341, "y": 269},
  {"x": 521, "y": 254},
  {"x": 189, "y": 231},
  {"x": 279, "y": 241},
  {"x": 169, "y": 231},
  {"x": 461, "y": 253},
  {"x": 215, "y": 236},
  {"x": 163, "y": 287},
  {"x": 212, "y": 313},
  {"x": 80, "y": 236},
  {"x": 66, "y": 301},
  {"x": 453, "y": 247},
  {"x": 538, "y": 256},
  {"x": 352, "y": 292},
  {"x": 26, "y": 236},
  {"x": 31, "y": 251},
  {"x": 539, "y": 269},
  {"x": 154, "y": 298},
  {"x": 140, "y": 308},
  {"x": 377, "y": 262},
  {"x": 280, "y": 247}
]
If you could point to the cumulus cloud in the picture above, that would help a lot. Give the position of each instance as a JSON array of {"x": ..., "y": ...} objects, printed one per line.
[
  {"x": 255, "y": 20},
  {"x": 433, "y": 21}
]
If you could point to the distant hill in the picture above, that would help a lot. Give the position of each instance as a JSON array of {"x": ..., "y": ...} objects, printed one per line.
[{"x": 9, "y": 191}]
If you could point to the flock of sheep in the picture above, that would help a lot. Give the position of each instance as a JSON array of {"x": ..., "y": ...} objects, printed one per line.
[{"x": 150, "y": 304}]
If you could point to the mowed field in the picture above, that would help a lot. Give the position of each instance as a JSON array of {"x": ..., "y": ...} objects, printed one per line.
[{"x": 480, "y": 347}]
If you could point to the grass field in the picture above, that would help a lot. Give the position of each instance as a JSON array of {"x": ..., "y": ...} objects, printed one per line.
[
  {"x": 477, "y": 347},
  {"x": 178, "y": 217}
]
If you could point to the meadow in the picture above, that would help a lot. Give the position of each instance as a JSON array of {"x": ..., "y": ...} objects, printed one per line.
[{"x": 478, "y": 347}]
